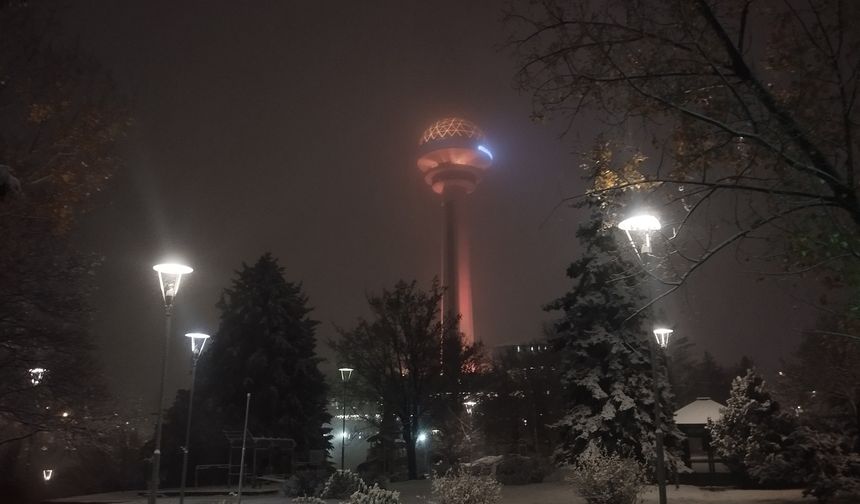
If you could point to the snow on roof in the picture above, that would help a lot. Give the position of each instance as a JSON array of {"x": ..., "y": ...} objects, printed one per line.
[{"x": 698, "y": 412}]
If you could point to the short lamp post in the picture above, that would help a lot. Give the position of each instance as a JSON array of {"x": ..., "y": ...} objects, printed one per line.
[
  {"x": 198, "y": 341},
  {"x": 169, "y": 278},
  {"x": 661, "y": 336},
  {"x": 345, "y": 375}
]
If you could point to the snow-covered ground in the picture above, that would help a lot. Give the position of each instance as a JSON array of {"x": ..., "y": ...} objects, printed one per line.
[{"x": 415, "y": 492}]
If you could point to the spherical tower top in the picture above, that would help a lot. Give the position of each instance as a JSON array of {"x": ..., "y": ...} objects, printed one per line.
[{"x": 453, "y": 152}]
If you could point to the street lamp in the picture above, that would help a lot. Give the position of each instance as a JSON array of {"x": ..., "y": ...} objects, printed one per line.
[
  {"x": 198, "y": 341},
  {"x": 345, "y": 375},
  {"x": 36, "y": 375},
  {"x": 643, "y": 224},
  {"x": 47, "y": 474},
  {"x": 661, "y": 335},
  {"x": 169, "y": 278}
]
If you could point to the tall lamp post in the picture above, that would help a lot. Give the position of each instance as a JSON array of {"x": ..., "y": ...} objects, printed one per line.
[
  {"x": 169, "y": 278},
  {"x": 643, "y": 225},
  {"x": 661, "y": 334},
  {"x": 345, "y": 375},
  {"x": 198, "y": 341}
]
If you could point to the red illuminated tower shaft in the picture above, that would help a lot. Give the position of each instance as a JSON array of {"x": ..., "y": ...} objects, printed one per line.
[{"x": 456, "y": 274}]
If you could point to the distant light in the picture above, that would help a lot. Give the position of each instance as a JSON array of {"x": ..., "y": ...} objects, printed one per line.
[
  {"x": 485, "y": 151},
  {"x": 345, "y": 373},
  {"x": 781, "y": 373},
  {"x": 36, "y": 375},
  {"x": 65, "y": 414},
  {"x": 662, "y": 335},
  {"x": 422, "y": 437},
  {"x": 47, "y": 474},
  {"x": 641, "y": 222}
]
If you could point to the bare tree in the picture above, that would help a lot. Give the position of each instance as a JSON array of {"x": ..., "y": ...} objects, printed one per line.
[{"x": 750, "y": 109}]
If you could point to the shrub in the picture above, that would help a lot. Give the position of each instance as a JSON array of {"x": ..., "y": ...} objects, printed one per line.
[
  {"x": 520, "y": 470},
  {"x": 464, "y": 488},
  {"x": 304, "y": 483},
  {"x": 342, "y": 484},
  {"x": 608, "y": 479},
  {"x": 375, "y": 495},
  {"x": 307, "y": 500}
]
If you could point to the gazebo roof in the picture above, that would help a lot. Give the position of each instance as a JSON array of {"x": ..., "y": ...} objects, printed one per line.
[{"x": 698, "y": 412}]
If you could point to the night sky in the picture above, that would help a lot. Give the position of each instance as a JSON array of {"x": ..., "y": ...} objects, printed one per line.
[{"x": 292, "y": 128}]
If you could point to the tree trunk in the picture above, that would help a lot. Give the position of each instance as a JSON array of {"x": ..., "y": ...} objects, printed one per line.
[{"x": 411, "y": 459}]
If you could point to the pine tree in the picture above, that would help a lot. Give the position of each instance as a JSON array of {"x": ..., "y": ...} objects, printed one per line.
[
  {"x": 753, "y": 435},
  {"x": 605, "y": 354},
  {"x": 265, "y": 345}
]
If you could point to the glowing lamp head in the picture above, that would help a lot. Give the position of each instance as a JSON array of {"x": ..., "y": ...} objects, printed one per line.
[
  {"x": 47, "y": 474},
  {"x": 169, "y": 278},
  {"x": 640, "y": 224},
  {"x": 422, "y": 437},
  {"x": 453, "y": 152},
  {"x": 345, "y": 373},
  {"x": 662, "y": 335},
  {"x": 198, "y": 341},
  {"x": 470, "y": 406},
  {"x": 37, "y": 374}
]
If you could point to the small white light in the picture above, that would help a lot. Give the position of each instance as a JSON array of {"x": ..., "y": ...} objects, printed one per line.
[
  {"x": 36, "y": 375},
  {"x": 198, "y": 341},
  {"x": 47, "y": 474},
  {"x": 485, "y": 151},
  {"x": 422, "y": 437},
  {"x": 345, "y": 373},
  {"x": 65, "y": 414},
  {"x": 662, "y": 335}
]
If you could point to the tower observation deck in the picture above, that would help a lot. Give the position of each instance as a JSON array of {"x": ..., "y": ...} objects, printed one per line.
[{"x": 453, "y": 157}]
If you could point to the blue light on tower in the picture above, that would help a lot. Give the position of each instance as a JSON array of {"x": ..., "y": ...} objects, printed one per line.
[{"x": 485, "y": 151}]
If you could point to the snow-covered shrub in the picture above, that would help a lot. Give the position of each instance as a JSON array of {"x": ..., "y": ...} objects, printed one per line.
[
  {"x": 304, "y": 483},
  {"x": 375, "y": 495},
  {"x": 307, "y": 500},
  {"x": 520, "y": 470},
  {"x": 465, "y": 488},
  {"x": 342, "y": 484},
  {"x": 602, "y": 478}
]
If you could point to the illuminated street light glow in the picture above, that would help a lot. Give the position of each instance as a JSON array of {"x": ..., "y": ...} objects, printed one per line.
[
  {"x": 640, "y": 223},
  {"x": 422, "y": 437},
  {"x": 662, "y": 335},
  {"x": 169, "y": 278},
  {"x": 65, "y": 414},
  {"x": 198, "y": 341},
  {"x": 36, "y": 375},
  {"x": 470, "y": 406},
  {"x": 345, "y": 373},
  {"x": 47, "y": 474}
]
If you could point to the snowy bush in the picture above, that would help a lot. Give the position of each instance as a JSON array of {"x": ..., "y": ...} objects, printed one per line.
[
  {"x": 520, "y": 470},
  {"x": 342, "y": 484},
  {"x": 375, "y": 495},
  {"x": 608, "y": 479},
  {"x": 464, "y": 488},
  {"x": 307, "y": 500},
  {"x": 304, "y": 483}
]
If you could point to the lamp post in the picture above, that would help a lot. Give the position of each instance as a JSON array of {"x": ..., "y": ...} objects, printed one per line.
[
  {"x": 198, "y": 341},
  {"x": 169, "y": 279},
  {"x": 345, "y": 375},
  {"x": 661, "y": 335}
]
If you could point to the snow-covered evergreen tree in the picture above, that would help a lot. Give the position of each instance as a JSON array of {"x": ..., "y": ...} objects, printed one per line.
[
  {"x": 753, "y": 434},
  {"x": 265, "y": 345},
  {"x": 605, "y": 353}
]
